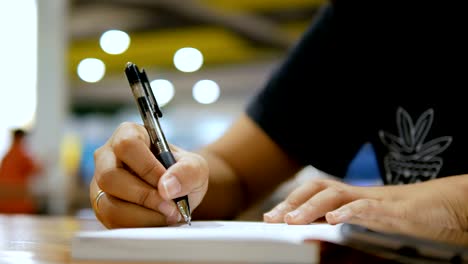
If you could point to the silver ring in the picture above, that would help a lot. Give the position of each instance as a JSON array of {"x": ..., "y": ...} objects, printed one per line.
[{"x": 96, "y": 200}]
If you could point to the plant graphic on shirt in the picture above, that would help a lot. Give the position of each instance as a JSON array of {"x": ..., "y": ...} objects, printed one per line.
[{"x": 410, "y": 159}]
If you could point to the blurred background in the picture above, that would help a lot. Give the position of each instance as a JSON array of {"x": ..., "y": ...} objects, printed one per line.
[{"x": 63, "y": 79}]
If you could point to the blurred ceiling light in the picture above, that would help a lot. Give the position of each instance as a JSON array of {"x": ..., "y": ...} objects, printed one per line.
[
  {"x": 163, "y": 91},
  {"x": 114, "y": 41},
  {"x": 206, "y": 91},
  {"x": 91, "y": 70},
  {"x": 188, "y": 59}
]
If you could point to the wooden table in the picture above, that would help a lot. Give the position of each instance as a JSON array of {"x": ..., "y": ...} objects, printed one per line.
[
  {"x": 31, "y": 239},
  {"x": 27, "y": 239}
]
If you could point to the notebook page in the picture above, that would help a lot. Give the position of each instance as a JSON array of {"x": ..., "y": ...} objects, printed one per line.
[{"x": 222, "y": 230}]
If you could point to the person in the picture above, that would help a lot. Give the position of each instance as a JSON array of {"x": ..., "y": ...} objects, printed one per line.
[
  {"x": 359, "y": 74},
  {"x": 17, "y": 168}
]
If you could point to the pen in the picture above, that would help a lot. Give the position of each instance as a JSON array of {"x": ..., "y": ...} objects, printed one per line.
[{"x": 150, "y": 113}]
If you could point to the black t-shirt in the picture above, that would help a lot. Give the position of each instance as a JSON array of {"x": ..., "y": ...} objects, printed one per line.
[{"x": 380, "y": 72}]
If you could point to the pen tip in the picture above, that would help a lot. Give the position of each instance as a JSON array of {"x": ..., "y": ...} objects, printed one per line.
[
  {"x": 188, "y": 219},
  {"x": 184, "y": 210}
]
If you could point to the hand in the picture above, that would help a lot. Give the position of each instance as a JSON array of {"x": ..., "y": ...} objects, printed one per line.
[
  {"x": 436, "y": 202},
  {"x": 138, "y": 190}
]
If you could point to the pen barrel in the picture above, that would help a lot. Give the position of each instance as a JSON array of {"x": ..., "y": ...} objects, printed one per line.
[
  {"x": 166, "y": 158},
  {"x": 149, "y": 111}
]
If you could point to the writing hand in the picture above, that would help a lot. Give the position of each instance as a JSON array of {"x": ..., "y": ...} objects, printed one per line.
[{"x": 138, "y": 189}]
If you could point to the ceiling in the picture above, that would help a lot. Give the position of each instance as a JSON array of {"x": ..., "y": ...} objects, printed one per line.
[{"x": 241, "y": 36}]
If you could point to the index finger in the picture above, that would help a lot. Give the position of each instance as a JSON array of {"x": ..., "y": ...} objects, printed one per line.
[{"x": 131, "y": 146}]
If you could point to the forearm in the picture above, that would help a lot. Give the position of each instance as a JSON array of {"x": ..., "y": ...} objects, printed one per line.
[
  {"x": 245, "y": 166},
  {"x": 224, "y": 198}
]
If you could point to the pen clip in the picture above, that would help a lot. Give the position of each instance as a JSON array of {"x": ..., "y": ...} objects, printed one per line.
[{"x": 149, "y": 94}]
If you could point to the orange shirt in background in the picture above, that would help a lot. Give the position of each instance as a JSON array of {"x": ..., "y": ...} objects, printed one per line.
[
  {"x": 17, "y": 166},
  {"x": 16, "y": 169}
]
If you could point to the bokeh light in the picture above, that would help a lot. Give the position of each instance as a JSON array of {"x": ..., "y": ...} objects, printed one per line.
[
  {"x": 188, "y": 59},
  {"x": 91, "y": 70},
  {"x": 114, "y": 41},
  {"x": 206, "y": 91},
  {"x": 163, "y": 91}
]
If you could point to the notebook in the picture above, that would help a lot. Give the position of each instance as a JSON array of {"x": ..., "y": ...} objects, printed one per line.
[{"x": 207, "y": 241}]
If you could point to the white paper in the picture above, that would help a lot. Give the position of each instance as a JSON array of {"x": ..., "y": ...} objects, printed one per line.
[
  {"x": 235, "y": 230},
  {"x": 207, "y": 241}
]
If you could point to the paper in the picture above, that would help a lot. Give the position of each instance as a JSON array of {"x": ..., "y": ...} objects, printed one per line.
[
  {"x": 215, "y": 230},
  {"x": 204, "y": 241}
]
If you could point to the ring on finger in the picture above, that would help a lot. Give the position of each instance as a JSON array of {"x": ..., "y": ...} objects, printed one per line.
[{"x": 96, "y": 200}]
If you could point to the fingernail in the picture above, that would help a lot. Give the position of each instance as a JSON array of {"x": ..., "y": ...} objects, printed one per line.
[
  {"x": 276, "y": 211},
  {"x": 341, "y": 215},
  {"x": 167, "y": 208},
  {"x": 292, "y": 215},
  {"x": 172, "y": 186},
  {"x": 271, "y": 215},
  {"x": 173, "y": 219}
]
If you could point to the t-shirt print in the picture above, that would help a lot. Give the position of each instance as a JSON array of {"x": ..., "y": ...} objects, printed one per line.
[{"x": 410, "y": 158}]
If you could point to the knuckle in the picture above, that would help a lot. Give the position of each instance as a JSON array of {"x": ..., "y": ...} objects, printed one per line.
[
  {"x": 369, "y": 204},
  {"x": 310, "y": 204},
  {"x": 293, "y": 202},
  {"x": 364, "y": 207},
  {"x": 339, "y": 192},
  {"x": 127, "y": 134},
  {"x": 186, "y": 167},
  {"x": 105, "y": 178},
  {"x": 97, "y": 153},
  {"x": 321, "y": 183},
  {"x": 192, "y": 167},
  {"x": 121, "y": 144},
  {"x": 127, "y": 126}
]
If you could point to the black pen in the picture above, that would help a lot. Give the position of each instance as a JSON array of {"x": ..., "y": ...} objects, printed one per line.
[{"x": 150, "y": 112}]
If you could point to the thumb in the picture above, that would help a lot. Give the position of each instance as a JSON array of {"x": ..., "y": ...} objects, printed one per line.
[{"x": 188, "y": 176}]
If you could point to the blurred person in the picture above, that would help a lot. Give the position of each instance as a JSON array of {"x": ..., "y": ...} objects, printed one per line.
[
  {"x": 17, "y": 169},
  {"x": 359, "y": 74}
]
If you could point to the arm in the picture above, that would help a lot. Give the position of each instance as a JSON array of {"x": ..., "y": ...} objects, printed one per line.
[{"x": 245, "y": 166}]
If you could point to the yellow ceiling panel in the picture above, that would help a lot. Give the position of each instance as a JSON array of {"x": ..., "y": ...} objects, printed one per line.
[
  {"x": 261, "y": 5},
  {"x": 156, "y": 49}
]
